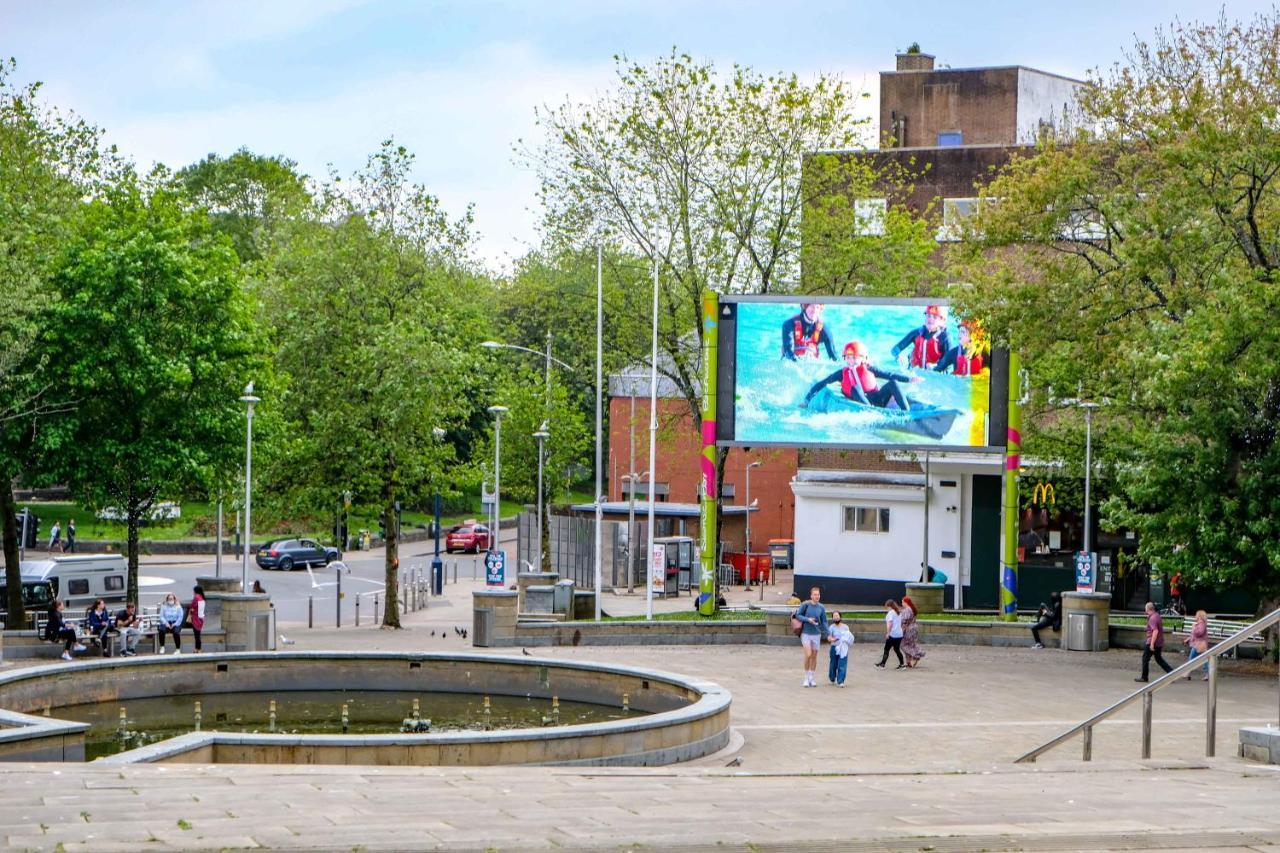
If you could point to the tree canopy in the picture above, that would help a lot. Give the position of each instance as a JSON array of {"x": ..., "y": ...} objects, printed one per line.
[{"x": 1136, "y": 266}]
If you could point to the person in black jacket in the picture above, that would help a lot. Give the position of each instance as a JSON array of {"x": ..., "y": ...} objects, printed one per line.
[
  {"x": 1049, "y": 616},
  {"x": 859, "y": 381},
  {"x": 57, "y": 631}
]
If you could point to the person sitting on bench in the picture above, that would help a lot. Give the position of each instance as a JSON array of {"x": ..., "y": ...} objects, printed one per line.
[
  {"x": 129, "y": 624},
  {"x": 1050, "y": 616},
  {"x": 100, "y": 625},
  {"x": 55, "y": 630}
]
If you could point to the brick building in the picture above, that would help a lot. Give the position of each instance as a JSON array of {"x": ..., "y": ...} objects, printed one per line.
[{"x": 678, "y": 472}]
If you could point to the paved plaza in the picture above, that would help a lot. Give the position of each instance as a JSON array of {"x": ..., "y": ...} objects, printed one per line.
[{"x": 899, "y": 760}]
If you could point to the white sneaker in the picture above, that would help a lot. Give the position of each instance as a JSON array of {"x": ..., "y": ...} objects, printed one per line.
[
  {"x": 79, "y": 648},
  {"x": 841, "y": 684},
  {"x": 805, "y": 683},
  {"x": 66, "y": 655},
  {"x": 161, "y": 650},
  {"x": 177, "y": 652}
]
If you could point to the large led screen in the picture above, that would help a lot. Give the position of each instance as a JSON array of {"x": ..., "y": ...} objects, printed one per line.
[{"x": 856, "y": 374}]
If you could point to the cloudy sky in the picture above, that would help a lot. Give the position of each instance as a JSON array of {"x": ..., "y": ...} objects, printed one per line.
[{"x": 324, "y": 81}]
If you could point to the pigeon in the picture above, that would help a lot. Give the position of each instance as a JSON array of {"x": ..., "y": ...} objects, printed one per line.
[
  {"x": 736, "y": 762},
  {"x": 285, "y": 641},
  {"x": 525, "y": 652},
  {"x": 464, "y": 633},
  {"x": 433, "y": 633}
]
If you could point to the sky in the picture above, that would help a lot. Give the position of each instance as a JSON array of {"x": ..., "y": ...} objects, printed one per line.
[{"x": 323, "y": 82}]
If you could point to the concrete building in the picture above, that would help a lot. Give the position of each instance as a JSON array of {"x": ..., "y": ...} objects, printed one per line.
[{"x": 861, "y": 526}]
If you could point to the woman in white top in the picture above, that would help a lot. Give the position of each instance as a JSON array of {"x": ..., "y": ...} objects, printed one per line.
[{"x": 892, "y": 633}]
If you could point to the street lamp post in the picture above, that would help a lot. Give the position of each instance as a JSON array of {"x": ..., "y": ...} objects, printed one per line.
[
  {"x": 497, "y": 412},
  {"x": 1088, "y": 471},
  {"x": 542, "y": 435},
  {"x": 548, "y": 360},
  {"x": 249, "y": 400},
  {"x": 746, "y": 574},
  {"x": 437, "y": 565}
]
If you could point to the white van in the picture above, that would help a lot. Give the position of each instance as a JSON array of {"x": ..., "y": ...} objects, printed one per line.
[{"x": 81, "y": 579}]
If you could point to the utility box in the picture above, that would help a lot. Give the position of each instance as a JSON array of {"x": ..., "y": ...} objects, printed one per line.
[
  {"x": 1082, "y": 632},
  {"x": 562, "y": 598},
  {"x": 783, "y": 553}
]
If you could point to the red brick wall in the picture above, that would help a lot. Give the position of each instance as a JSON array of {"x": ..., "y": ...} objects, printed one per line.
[
  {"x": 678, "y": 464},
  {"x": 982, "y": 103}
]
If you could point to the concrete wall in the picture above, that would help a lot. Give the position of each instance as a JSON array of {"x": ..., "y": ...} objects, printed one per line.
[{"x": 1044, "y": 97}]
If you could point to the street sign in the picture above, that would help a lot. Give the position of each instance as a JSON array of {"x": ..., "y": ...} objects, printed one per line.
[
  {"x": 495, "y": 568},
  {"x": 1084, "y": 572}
]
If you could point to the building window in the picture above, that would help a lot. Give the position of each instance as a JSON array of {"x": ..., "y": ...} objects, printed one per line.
[
  {"x": 868, "y": 216},
  {"x": 955, "y": 211},
  {"x": 728, "y": 490},
  {"x": 950, "y": 138},
  {"x": 866, "y": 519}
]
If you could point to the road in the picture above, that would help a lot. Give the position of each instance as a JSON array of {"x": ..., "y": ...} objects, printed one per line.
[{"x": 293, "y": 592}]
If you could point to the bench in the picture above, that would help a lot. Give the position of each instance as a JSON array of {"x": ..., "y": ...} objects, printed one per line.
[{"x": 1221, "y": 629}]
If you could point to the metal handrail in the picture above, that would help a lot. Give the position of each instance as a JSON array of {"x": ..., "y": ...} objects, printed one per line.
[{"x": 1085, "y": 729}]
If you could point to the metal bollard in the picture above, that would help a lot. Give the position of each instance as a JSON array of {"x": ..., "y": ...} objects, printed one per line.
[
  {"x": 375, "y": 608},
  {"x": 357, "y": 611},
  {"x": 311, "y": 611}
]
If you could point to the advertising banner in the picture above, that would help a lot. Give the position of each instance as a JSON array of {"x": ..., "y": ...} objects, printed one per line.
[
  {"x": 495, "y": 568},
  {"x": 658, "y": 569},
  {"x": 1084, "y": 572},
  {"x": 871, "y": 373}
]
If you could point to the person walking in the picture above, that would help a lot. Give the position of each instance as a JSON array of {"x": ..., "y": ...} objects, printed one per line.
[
  {"x": 892, "y": 633},
  {"x": 841, "y": 641},
  {"x": 910, "y": 633},
  {"x": 813, "y": 626},
  {"x": 195, "y": 614},
  {"x": 1153, "y": 645},
  {"x": 1198, "y": 641},
  {"x": 170, "y": 623},
  {"x": 71, "y": 535},
  {"x": 55, "y": 537}
]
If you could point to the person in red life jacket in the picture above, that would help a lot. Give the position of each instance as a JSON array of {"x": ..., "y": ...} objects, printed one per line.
[
  {"x": 803, "y": 334},
  {"x": 966, "y": 358},
  {"x": 860, "y": 380},
  {"x": 926, "y": 345}
]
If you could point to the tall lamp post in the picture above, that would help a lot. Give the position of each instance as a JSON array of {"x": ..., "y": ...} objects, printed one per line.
[
  {"x": 1088, "y": 471},
  {"x": 437, "y": 565},
  {"x": 542, "y": 435},
  {"x": 746, "y": 573},
  {"x": 497, "y": 412},
  {"x": 249, "y": 400},
  {"x": 548, "y": 360}
]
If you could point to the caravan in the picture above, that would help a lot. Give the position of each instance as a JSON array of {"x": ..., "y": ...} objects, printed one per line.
[{"x": 80, "y": 579}]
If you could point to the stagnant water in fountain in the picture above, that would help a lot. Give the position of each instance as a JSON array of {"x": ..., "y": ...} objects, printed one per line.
[{"x": 315, "y": 712}]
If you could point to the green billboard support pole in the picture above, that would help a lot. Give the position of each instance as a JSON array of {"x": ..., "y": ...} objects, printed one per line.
[
  {"x": 707, "y": 514},
  {"x": 1012, "y": 461}
]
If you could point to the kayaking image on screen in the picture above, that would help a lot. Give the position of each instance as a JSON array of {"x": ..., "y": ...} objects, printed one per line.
[{"x": 866, "y": 374}]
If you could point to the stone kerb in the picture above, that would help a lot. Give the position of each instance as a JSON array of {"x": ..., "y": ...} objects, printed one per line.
[{"x": 927, "y": 596}]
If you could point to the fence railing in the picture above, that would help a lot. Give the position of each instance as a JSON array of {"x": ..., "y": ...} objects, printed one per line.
[{"x": 1148, "y": 691}]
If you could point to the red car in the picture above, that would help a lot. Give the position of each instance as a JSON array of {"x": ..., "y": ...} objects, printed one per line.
[{"x": 467, "y": 537}]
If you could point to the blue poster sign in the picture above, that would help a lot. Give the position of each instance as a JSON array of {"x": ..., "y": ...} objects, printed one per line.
[
  {"x": 495, "y": 568},
  {"x": 1084, "y": 572}
]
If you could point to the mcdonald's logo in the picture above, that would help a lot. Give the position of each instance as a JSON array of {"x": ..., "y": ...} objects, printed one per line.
[{"x": 1042, "y": 495}]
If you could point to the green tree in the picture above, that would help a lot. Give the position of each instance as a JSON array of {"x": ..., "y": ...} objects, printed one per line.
[
  {"x": 249, "y": 196},
  {"x": 49, "y": 162},
  {"x": 1136, "y": 265},
  {"x": 152, "y": 335},
  {"x": 697, "y": 171},
  {"x": 376, "y": 312}
]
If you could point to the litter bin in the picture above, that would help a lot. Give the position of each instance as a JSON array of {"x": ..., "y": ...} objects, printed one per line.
[
  {"x": 1081, "y": 632},
  {"x": 782, "y": 552}
]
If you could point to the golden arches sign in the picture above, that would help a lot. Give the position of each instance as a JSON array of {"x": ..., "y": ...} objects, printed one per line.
[{"x": 1043, "y": 495}]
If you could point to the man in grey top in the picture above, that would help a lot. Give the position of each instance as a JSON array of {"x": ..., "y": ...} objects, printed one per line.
[{"x": 813, "y": 627}]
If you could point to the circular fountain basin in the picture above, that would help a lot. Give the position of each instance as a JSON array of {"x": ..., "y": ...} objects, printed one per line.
[{"x": 672, "y": 718}]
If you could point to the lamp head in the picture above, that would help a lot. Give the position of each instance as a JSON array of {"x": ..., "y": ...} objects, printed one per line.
[
  {"x": 755, "y": 464},
  {"x": 498, "y": 410},
  {"x": 542, "y": 433},
  {"x": 490, "y": 344}
]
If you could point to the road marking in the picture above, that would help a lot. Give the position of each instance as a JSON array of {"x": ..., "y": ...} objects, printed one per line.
[{"x": 152, "y": 580}]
